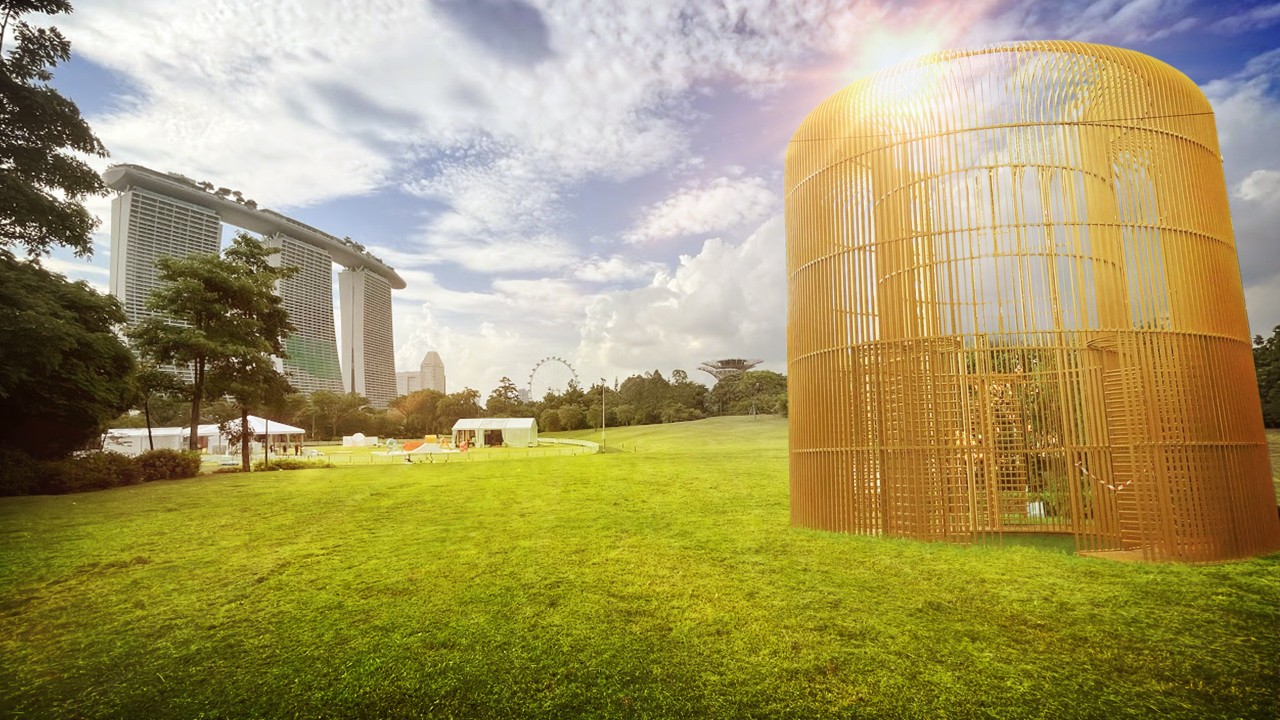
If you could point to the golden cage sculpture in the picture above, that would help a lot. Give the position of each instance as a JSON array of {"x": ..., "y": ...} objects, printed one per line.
[{"x": 1015, "y": 305}]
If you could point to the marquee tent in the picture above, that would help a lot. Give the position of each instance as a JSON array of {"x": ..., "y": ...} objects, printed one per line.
[
  {"x": 483, "y": 432},
  {"x": 133, "y": 441}
]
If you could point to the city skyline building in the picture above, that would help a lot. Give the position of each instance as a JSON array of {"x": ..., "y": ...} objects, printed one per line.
[
  {"x": 368, "y": 348},
  {"x": 429, "y": 376},
  {"x": 145, "y": 227},
  {"x": 159, "y": 214},
  {"x": 312, "y": 363}
]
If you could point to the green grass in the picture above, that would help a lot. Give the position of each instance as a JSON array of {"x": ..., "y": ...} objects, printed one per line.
[{"x": 663, "y": 582}]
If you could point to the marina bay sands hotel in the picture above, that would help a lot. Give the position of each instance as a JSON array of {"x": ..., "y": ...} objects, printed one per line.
[{"x": 158, "y": 215}]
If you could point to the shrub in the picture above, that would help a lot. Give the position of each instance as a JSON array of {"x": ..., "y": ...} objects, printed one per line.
[
  {"x": 92, "y": 471},
  {"x": 167, "y": 465},
  {"x": 288, "y": 464},
  {"x": 20, "y": 474}
]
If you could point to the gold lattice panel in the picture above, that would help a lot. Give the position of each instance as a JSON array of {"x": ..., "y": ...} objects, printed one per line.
[{"x": 1015, "y": 305}]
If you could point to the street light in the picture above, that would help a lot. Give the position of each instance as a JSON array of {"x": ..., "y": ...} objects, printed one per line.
[{"x": 602, "y": 420}]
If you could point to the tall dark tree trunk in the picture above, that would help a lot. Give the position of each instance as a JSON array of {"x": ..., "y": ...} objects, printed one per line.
[
  {"x": 146, "y": 410},
  {"x": 197, "y": 390},
  {"x": 245, "y": 434}
]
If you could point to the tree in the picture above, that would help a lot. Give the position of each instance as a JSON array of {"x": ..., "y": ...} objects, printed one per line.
[
  {"x": 250, "y": 377},
  {"x": 215, "y": 314},
  {"x": 453, "y": 407},
  {"x": 1266, "y": 361},
  {"x": 253, "y": 382},
  {"x": 150, "y": 381},
  {"x": 63, "y": 371},
  {"x": 505, "y": 400},
  {"x": 572, "y": 417},
  {"x": 420, "y": 410},
  {"x": 42, "y": 180},
  {"x": 334, "y": 408},
  {"x": 738, "y": 394}
]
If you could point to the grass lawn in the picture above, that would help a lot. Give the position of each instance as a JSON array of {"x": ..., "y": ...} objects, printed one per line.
[
  {"x": 377, "y": 455},
  {"x": 660, "y": 582}
]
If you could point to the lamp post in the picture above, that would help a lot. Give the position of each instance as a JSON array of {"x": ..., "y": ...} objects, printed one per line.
[{"x": 602, "y": 420}]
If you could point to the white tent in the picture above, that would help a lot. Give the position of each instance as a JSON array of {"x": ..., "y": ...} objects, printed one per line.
[
  {"x": 483, "y": 432},
  {"x": 264, "y": 431},
  {"x": 133, "y": 441}
]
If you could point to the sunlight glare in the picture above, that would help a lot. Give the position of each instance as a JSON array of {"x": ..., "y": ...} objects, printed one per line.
[{"x": 885, "y": 47}]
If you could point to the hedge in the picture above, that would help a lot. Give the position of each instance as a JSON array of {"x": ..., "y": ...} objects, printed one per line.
[{"x": 22, "y": 475}]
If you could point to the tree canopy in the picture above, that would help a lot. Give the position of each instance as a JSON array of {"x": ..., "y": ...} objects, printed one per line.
[
  {"x": 63, "y": 371},
  {"x": 1266, "y": 360},
  {"x": 505, "y": 400},
  {"x": 42, "y": 179},
  {"x": 219, "y": 316}
]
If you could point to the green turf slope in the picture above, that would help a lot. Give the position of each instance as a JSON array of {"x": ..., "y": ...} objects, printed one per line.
[{"x": 663, "y": 582}]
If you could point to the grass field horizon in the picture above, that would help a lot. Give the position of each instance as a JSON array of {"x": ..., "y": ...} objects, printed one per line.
[{"x": 664, "y": 581}]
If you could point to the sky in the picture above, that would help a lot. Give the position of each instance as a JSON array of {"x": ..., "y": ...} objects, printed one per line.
[{"x": 598, "y": 181}]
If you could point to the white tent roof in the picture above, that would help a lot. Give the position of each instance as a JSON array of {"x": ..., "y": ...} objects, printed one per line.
[
  {"x": 142, "y": 432},
  {"x": 493, "y": 424},
  {"x": 259, "y": 426}
]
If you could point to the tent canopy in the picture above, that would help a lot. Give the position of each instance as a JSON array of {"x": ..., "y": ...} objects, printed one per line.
[
  {"x": 493, "y": 424},
  {"x": 259, "y": 426},
  {"x": 515, "y": 431}
]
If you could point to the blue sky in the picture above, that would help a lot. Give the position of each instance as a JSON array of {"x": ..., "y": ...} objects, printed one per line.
[{"x": 592, "y": 180}]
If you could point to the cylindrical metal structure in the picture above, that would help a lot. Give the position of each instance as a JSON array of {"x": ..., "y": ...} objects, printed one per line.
[{"x": 1015, "y": 305}]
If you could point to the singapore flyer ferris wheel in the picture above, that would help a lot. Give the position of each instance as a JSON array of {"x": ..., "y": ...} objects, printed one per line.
[{"x": 550, "y": 374}]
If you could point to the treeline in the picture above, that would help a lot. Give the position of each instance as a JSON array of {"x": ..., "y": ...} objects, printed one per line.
[
  {"x": 639, "y": 400},
  {"x": 644, "y": 399}
]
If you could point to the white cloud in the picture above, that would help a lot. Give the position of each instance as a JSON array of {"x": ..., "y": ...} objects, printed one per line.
[
  {"x": 72, "y": 269},
  {"x": 1260, "y": 186},
  {"x": 506, "y": 337},
  {"x": 1248, "y": 117},
  {"x": 727, "y": 300},
  {"x": 722, "y": 204},
  {"x": 1115, "y": 21},
  {"x": 1255, "y": 18},
  {"x": 297, "y": 106},
  {"x": 615, "y": 269}
]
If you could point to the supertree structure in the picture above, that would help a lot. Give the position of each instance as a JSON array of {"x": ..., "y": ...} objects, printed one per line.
[{"x": 721, "y": 369}]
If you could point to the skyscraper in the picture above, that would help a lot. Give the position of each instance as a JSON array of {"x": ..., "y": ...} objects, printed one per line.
[
  {"x": 429, "y": 376},
  {"x": 432, "y": 371},
  {"x": 160, "y": 214},
  {"x": 368, "y": 349},
  {"x": 312, "y": 362},
  {"x": 145, "y": 227}
]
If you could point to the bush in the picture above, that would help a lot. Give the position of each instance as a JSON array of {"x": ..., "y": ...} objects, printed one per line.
[
  {"x": 20, "y": 474},
  {"x": 288, "y": 464},
  {"x": 167, "y": 465},
  {"x": 92, "y": 471}
]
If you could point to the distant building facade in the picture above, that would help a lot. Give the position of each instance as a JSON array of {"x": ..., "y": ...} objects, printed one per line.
[
  {"x": 158, "y": 215},
  {"x": 430, "y": 376},
  {"x": 312, "y": 362},
  {"x": 146, "y": 226},
  {"x": 368, "y": 349}
]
